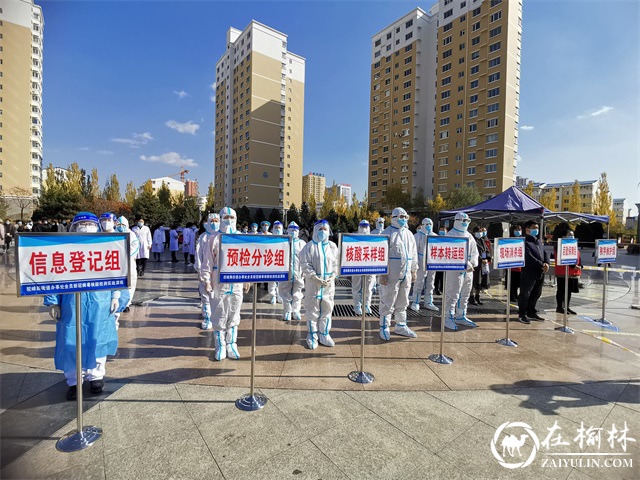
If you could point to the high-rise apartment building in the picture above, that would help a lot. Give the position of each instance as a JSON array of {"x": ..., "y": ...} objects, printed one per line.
[
  {"x": 564, "y": 190},
  {"x": 314, "y": 185},
  {"x": 190, "y": 188},
  {"x": 449, "y": 100},
  {"x": 341, "y": 190},
  {"x": 21, "y": 97},
  {"x": 259, "y": 121}
]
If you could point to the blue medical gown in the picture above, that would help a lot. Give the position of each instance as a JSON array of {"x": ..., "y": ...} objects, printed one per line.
[{"x": 99, "y": 335}]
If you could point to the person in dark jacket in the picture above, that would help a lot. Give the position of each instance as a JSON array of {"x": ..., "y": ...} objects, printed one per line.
[
  {"x": 536, "y": 264},
  {"x": 574, "y": 275},
  {"x": 484, "y": 256}
]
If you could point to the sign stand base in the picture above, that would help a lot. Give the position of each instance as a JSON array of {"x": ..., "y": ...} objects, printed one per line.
[
  {"x": 76, "y": 441},
  {"x": 250, "y": 403},
  {"x": 440, "y": 358},
  {"x": 507, "y": 342},
  {"x": 565, "y": 330},
  {"x": 361, "y": 377},
  {"x": 603, "y": 322}
]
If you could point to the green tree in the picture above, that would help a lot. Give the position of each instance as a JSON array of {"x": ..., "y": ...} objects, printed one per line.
[
  {"x": 548, "y": 200},
  {"x": 330, "y": 201},
  {"x": 164, "y": 196},
  {"x": 529, "y": 189},
  {"x": 603, "y": 203},
  {"x": 293, "y": 215},
  {"x": 130, "y": 194},
  {"x": 419, "y": 204},
  {"x": 74, "y": 179},
  {"x": 147, "y": 206},
  {"x": 275, "y": 215},
  {"x": 244, "y": 215},
  {"x": 396, "y": 196},
  {"x": 211, "y": 198},
  {"x": 435, "y": 206},
  {"x": 575, "y": 203},
  {"x": 22, "y": 198},
  {"x": 259, "y": 216},
  {"x": 4, "y": 206},
  {"x": 112, "y": 189},
  {"x": 464, "y": 197},
  {"x": 94, "y": 184},
  {"x": 305, "y": 215}
]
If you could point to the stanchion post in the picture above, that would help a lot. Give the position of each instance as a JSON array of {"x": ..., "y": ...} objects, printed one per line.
[
  {"x": 564, "y": 328},
  {"x": 441, "y": 358},
  {"x": 507, "y": 342},
  {"x": 252, "y": 402},
  {"x": 361, "y": 376},
  {"x": 605, "y": 281},
  {"x": 82, "y": 437}
]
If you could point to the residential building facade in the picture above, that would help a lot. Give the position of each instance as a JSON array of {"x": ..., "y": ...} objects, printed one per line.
[
  {"x": 21, "y": 57},
  {"x": 622, "y": 210},
  {"x": 313, "y": 184},
  {"x": 259, "y": 121},
  {"x": 175, "y": 186},
  {"x": 341, "y": 190},
  {"x": 563, "y": 192}
]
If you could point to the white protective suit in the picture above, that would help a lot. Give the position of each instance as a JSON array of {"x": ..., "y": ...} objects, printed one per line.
[
  {"x": 211, "y": 225},
  {"x": 425, "y": 279},
  {"x": 122, "y": 225},
  {"x": 228, "y": 296},
  {"x": 144, "y": 236},
  {"x": 158, "y": 240},
  {"x": 187, "y": 239},
  {"x": 357, "y": 281},
  {"x": 291, "y": 291},
  {"x": 278, "y": 229},
  {"x": 459, "y": 283},
  {"x": 378, "y": 231},
  {"x": 319, "y": 261},
  {"x": 403, "y": 265}
]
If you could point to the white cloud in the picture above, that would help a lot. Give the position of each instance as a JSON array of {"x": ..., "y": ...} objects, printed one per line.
[
  {"x": 213, "y": 98},
  {"x": 136, "y": 140},
  {"x": 188, "y": 127},
  {"x": 181, "y": 94},
  {"x": 170, "y": 158},
  {"x": 526, "y": 127},
  {"x": 104, "y": 152},
  {"x": 601, "y": 111},
  {"x": 84, "y": 149}
]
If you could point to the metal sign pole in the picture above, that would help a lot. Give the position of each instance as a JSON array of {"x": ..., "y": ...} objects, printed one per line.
[
  {"x": 252, "y": 402},
  {"x": 441, "y": 358},
  {"x": 361, "y": 376},
  {"x": 605, "y": 280},
  {"x": 507, "y": 342},
  {"x": 83, "y": 437},
  {"x": 564, "y": 328}
]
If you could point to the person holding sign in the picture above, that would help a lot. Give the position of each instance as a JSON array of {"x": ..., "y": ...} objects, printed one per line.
[
  {"x": 277, "y": 229},
  {"x": 536, "y": 264},
  {"x": 319, "y": 260},
  {"x": 357, "y": 282},
  {"x": 211, "y": 225},
  {"x": 378, "y": 231},
  {"x": 99, "y": 337},
  {"x": 394, "y": 287},
  {"x": 424, "y": 277},
  {"x": 574, "y": 274},
  {"x": 228, "y": 296},
  {"x": 459, "y": 284},
  {"x": 291, "y": 291}
]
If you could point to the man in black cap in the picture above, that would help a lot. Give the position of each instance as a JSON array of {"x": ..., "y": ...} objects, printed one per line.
[{"x": 536, "y": 264}]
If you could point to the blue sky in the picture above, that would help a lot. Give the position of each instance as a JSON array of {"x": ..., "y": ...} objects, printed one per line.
[{"x": 127, "y": 85}]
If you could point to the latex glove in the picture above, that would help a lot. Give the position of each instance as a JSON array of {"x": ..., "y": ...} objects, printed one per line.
[
  {"x": 328, "y": 281},
  {"x": 414, "y": 276},
  {"x": 115, "y": 303},
  {"x": 247, "y": 287},
  {"x": 469, "y": 267},
  {"x": 383, "y": 280},
  {"x": 317, "y": 279},
  {"x": 207, "y": 286},
  {"x": 54, "y": 312}
]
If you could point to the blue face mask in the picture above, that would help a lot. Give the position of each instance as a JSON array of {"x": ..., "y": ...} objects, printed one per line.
[
  {"x": 442, "y": 232},
  {"x": 120, "y": 228},
  {"x": 535, "y": 232},
  {"x": 402, "y": 222},
  {"x": 484, "y": 234},
  {"x": 428, "y": 228},
  {"x": 517, "y": 233},
  {"x": 323, "y": 235},
  {"x": 478, "y": 234}
]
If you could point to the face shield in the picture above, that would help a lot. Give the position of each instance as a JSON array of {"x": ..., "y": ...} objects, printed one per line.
[
  {"x": 278, "y": 228},
  {"x": 461, "y": 222},
  {"x": 85, "y": 222},
  {"x": 364, "y": 227},
  {"x": 321, "y": 231},
  {"x": 399, "y": 218},
  {"x": 228, "y": 220},
  {"x": 107, "y": 222}
]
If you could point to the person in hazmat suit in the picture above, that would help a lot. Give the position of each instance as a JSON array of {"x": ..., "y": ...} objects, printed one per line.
[
  {"x": 122, "y": 226},
  {"x": 278, "y": 229},
  {"x": 425, "y": 279},
  {"x": 395, "y": 286},
  {"x": 211, "y": 225},
  {"x": 99, "y": 337},
  {"x": 291, "y": 291},
  {"x": 228, "y": 296},
  {"x": 358, "y": 293},
  {"x": 377, "y": 231},
  {"x": 319, "y": 261},
  {"x": 459, "y": 283}
]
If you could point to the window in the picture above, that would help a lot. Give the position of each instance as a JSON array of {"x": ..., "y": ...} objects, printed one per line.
[
  {"x": 408, "y": 36},
  {"x": 495, "y": 2},
  {"x": 406, "y": 120},
  {"x": 495, "y": 32},
  {"x": 475, "y": 40},
  {"x": 494, "y": 62},
  {"x": 473, "y": 113},
  {"x": 408, "y": 24},
  {"x": 376, "y": 65},
  {"x": 491, "y": 153},
  {"x": 406, "y": 96},
  {"x": 475, "y": 55},
  {"x": 475, "y": 12},
  {"x": 461, "y": 46},
  {"x": 493, "y": 122},
  {"x": 471, "y": 170},
  {"x": 443, "y": 161},
  {"x": 494, "y": 92},
  {"x": 446, "y": 40},
  {"x": 491, "y": 183},
  {"x": 471, "y": 157},
  {"x": 408, "y": 60},
  {"x": 446, "y": 81},
  {"x": 444, "y": 148},
  {"x": 473, "y": 84},
  {"x": 446, "y": 67},
  {"x": 459, "y": 116},
  {"x": 443, "y": 174},
  {"x": 407, "y": 72},
  {"x": 475, "y": 69},
  {"x": 444, "y": 134},
  {"x": 472, "y": 142},
  {"x": 447, "y": 27},
  {"x": 445, "y": 108},
  {"x": 377, "y": 54},
  {"x": 460, "y": 102},
  {"x": 389, "y": 36},
  {"x": 494, "y": 107},
  {"x": 445, "y": 94},
  {"x": 406, "y": 84},
  {"x": 491, "y": 168},
  {"x": 378, "y": 42},
  {"x": 406, "y": 108},
  {"x": 408, "y": 48},
  {"x": 475, "y": 27},
  {"x": 460, "y": 60},
  {"x": 496, "y": 16},
  {"x": 446, "y": 54},
  {"x": 444, "y": 121},
  {"x": 448, "y": 13},
  {"x": 405, "y": 144},
  {"x": 473, "y": 127},
  {"x": 494, "y": 77},
  {"x": 492, "y": 138},
  {"x": 460, "y": 74},
  {"x": 494, "y": 47}
]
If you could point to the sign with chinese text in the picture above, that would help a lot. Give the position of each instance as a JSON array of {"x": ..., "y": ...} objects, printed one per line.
[
  {"x": 254, "y": 258},
  {"x": 447, "y": 253},
  {"x": 508, "y": 252},
  {"x": 52, "y": 263},
  {"x": 364, "y": 254},
  {"x": 567, "y": 251},
  {"x": 606, "y": 250}
]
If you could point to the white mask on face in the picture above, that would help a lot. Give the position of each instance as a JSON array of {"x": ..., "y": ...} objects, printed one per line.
[
  {"x": 87, "y": 228},
  {"x": 277, "y": 231},
  {"x": 294, "y": 232},
  {"x": 107, "y": 225}
]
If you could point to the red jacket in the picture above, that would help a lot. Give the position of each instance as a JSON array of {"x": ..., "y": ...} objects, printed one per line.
[{"x": 573, "y": 270}]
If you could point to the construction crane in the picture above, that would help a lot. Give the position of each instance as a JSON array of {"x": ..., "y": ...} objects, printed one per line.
[{"x": 182, "y": 173}]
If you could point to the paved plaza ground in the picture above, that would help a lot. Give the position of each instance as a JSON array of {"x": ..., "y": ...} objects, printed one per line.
[{"x": 168, "y": 409}]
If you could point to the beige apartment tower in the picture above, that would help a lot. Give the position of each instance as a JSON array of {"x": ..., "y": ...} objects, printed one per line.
[
  {"x": 454, "y": 92},
  {"x": 313, "y": 184},
  {"x": 259, "y": 122},
  {"x": 20, "y": 98}
]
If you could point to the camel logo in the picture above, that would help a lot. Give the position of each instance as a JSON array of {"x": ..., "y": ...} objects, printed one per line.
[{"x": 514, "y": 446}]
